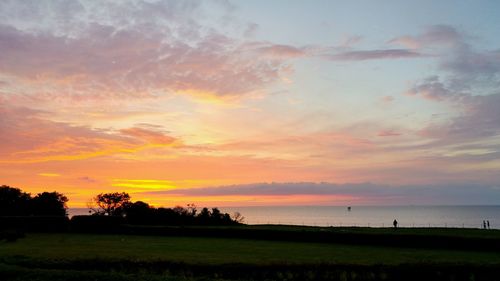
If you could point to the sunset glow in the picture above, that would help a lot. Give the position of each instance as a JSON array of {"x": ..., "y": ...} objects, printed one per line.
[{"x": 250, "y": 103}]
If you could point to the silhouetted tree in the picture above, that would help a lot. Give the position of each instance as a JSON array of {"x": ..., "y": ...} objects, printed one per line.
[
  {"x": 120, "y": 207},
  {"x": 192, "y": 209},
  {"x": 204, "y": 216},
  {"x": 166, "y": 216},
  {"x": 238, "y": 218},
  {"x": 183, "y": 215},
  {"x": 49, "y": 204},
  {"x": 181, "y": 211},
  {"x": 138, "y": 212},
  {"x": 14, "y": 202},
  {"x": 216, "y": 215},
  {"x": 111, "y": 204}
]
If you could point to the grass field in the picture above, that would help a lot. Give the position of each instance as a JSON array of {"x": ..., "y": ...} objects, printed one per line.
[
  {"x": 223, "y": 250},
  {"x": 109, "y": 257},
  {"x": 443, "y": 232}
]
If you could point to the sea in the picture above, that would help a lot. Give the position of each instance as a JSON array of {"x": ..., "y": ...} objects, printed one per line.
[{"x": 364, "y": 216}]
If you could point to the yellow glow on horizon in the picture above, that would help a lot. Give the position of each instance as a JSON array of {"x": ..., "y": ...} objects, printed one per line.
[
  {"x": 171, "y": 200},
  {"x": 245, "y": 200},
  {"x": 49, "y": 175},
  {"x": 144, "y": 184}
]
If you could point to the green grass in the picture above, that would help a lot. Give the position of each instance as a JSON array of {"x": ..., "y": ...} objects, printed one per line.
[
  {"x": 216, "y": 251},
  {"x": 446, "y": 232},
  {"x": 18, "y": 273},
  {"x": 75, "y": 257}
]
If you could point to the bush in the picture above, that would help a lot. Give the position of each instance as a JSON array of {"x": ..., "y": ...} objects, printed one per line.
[
  {"x": 97, "y": 224},
  {"x": 34, "y": 223}
]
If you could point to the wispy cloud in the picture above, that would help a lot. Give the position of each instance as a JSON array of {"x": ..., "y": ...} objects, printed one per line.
[
  {"x": 375, "y": 55},
  {"x": 388, "y": 133},
  {"x": 149, "y": 136},
  {"x": 470, "y": 85},
  {"x": 281, "y": 51},
  {"x": 131, "y": 49},
  {"x": 131, "y": 63},
  {"x": 30, "y": 139},
  {"x": 434, "y": 35},
  {"x": 139, "y": 49},
  {"x": 356, "y": 192},
  {"x": 433, "y": 89}
]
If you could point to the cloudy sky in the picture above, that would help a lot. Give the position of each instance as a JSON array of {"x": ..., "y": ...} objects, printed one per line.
[{"x": 252, "y": 102}]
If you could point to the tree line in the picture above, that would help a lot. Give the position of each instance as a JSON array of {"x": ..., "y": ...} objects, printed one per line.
[
  {"x": 139, "y": 212},
  {"x": 15, "y": 202}
]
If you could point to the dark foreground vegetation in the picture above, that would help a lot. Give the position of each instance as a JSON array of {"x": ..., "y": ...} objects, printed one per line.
[
  {"x": 15, "y": 202},
  {"x": 66, "y": 256},
  {"x": 48, "y": 211},
  {"x": 125, "y": 240}
]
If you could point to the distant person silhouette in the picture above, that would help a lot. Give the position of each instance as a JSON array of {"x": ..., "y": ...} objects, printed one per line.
[
  {"x": 484, "y": 224},
  {"x": 488, "y": 223},
  {"x": 395, "y": 223}
]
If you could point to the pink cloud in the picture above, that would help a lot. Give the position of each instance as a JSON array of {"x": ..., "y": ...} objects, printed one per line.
[
  {"x": 407, "y": 41},
  {"x": 282, "y": 51},
  {"x": 111, "y": 63},
  {"x": 456, "y": 54},
  {"x": 470, "y": 86},
  {"x": 388, "y": 133},
  {"x": 432, "y": 89},
  {"x": 480, "y": 118},
  {"x": 435, "y": 35},
  {"x": 374, "y": 55},
  {"x": 387, "y": 99}
]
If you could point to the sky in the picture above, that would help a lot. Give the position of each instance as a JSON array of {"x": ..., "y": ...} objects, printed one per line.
[{"x": 249, "y": 103}]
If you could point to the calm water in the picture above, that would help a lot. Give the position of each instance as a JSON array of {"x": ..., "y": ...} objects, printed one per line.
[{"x": 376, "y": 216}]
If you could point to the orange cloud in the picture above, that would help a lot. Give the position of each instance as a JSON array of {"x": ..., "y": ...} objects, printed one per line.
[
  {"x": 151, "y": 137},
  {"x": 32, "y": 139}
]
